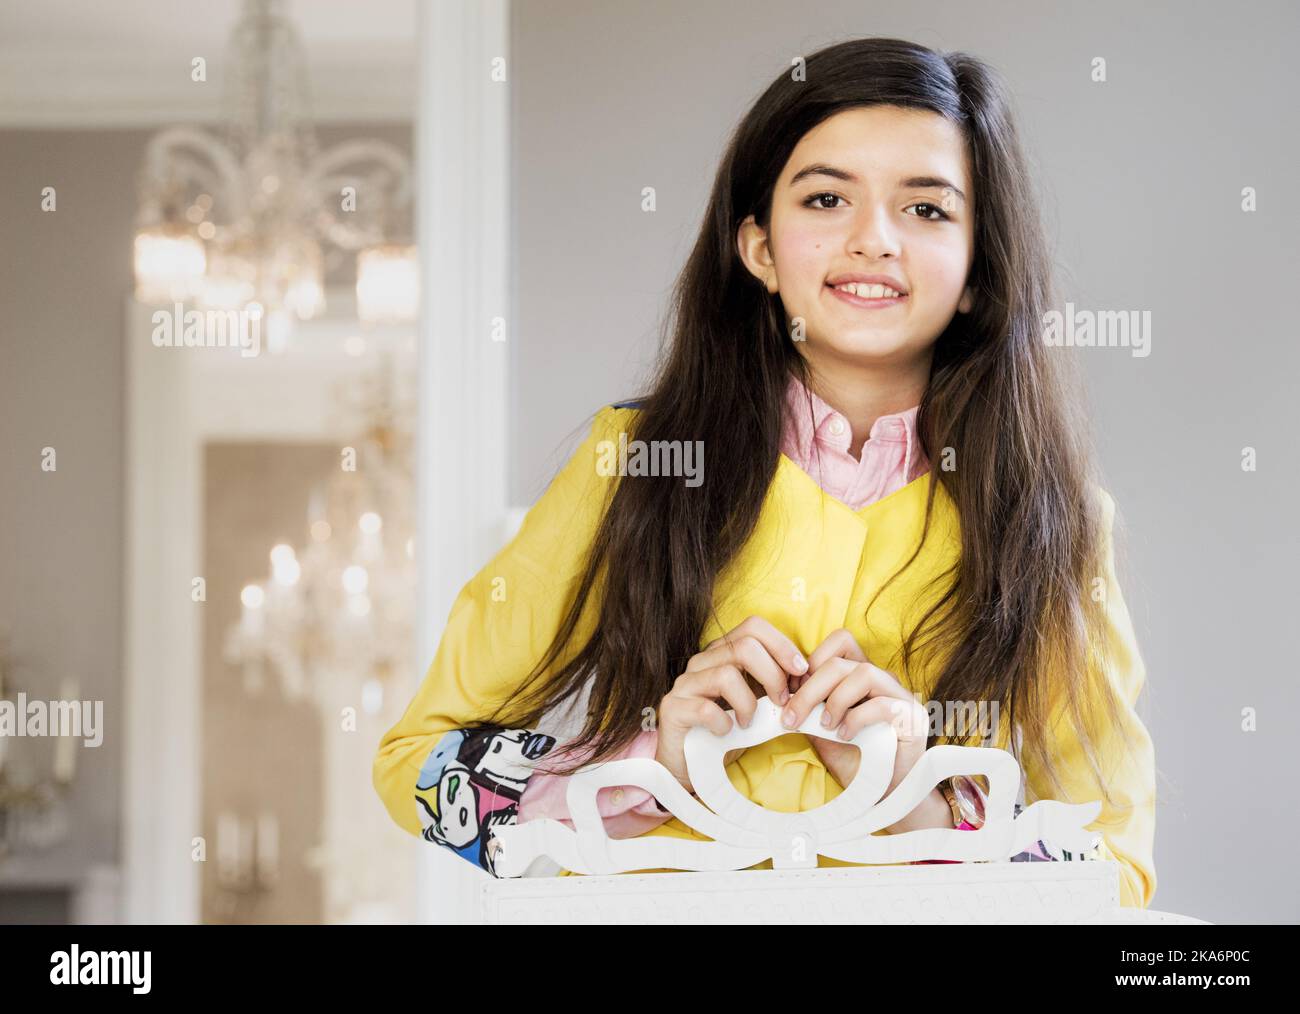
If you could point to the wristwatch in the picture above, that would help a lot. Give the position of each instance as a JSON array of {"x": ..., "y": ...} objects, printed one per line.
[{"x": 967, "y": 812}]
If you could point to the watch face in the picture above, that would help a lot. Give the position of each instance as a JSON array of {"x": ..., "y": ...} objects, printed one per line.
[{"x": 968, "y": 800}]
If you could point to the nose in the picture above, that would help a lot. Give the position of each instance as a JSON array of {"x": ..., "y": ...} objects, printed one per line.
[{"x": 873, "y": 234}]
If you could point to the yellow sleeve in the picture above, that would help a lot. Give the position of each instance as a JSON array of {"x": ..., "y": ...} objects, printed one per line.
[
  {"x": 1128, "y": 827},
  {"x": 501, "y": 624}
]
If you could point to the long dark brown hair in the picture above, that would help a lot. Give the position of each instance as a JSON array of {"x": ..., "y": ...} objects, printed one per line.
[{"x": 1016, "y": 621}]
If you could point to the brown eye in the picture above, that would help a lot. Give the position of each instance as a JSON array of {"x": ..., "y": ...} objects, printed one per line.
[
  {"x": 933, "y": 207},
  {"x": 815, "y": 201}
]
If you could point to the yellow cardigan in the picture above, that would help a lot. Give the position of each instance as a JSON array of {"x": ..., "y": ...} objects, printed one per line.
[{"x": 810, "y": 567}]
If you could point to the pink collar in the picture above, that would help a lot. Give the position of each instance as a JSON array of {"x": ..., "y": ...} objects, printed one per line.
[{"x": 829, "y": 427}]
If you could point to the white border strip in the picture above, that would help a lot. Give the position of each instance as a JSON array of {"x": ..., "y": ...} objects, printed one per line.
[{"x": 462, "y": 228}]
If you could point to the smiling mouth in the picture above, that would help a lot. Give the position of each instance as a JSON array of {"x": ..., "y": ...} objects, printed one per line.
[{"x": 868, "y": 302}]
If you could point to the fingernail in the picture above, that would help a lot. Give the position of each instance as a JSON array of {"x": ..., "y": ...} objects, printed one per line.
[
  {"x": 785, "y": 696},
  {"x": 842, "y": 731},
  {"x": 826, "y": 718},
  {"x": 788, "y": 719},
  {"x": 800, "y": 663}
]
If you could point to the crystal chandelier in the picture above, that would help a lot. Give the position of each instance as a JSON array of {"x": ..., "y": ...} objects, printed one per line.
[
  {"x": 334, "y": 617},
  {"x": 260, "y": 217}
]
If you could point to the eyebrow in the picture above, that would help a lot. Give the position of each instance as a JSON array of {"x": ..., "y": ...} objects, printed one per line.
[{"x": 909, "y": 183}]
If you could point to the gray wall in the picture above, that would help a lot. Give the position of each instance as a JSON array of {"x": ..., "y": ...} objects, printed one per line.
[
  {"x": 65, "y": 276},
  {"x": 1141, "y": 178}
]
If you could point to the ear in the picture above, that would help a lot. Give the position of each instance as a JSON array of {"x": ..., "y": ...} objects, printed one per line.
[
  {"x": 967, "y": 301},
  {"x": 751, "y": 241}
]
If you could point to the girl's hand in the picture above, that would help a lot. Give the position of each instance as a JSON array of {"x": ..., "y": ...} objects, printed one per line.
[
  {"x": 722, "y": 673},
  {"x": 857, "y": 694}
]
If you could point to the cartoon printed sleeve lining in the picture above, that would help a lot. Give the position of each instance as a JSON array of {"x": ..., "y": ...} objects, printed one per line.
[
  {"x": 477, "y": 780},
  {"x": 471, "y": 783}
]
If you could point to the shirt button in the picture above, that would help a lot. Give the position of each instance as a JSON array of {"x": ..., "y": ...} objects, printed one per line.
[
  {"x": 617, "y": 796},
  {"x": 837, "y": 426}
]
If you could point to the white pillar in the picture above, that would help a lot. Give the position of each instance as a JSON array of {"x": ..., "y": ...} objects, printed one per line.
[
  {"x": 161, "y": 640},
  {"x": 462, "y": 228}
]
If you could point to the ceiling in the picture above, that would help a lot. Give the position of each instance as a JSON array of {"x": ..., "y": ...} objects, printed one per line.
[{"x": 82, "y": 63}]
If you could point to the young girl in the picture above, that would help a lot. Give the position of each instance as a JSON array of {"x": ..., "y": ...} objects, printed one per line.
[{"x": 898, "y": 503}]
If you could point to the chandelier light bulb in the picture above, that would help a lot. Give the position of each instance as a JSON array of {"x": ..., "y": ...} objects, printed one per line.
[
  {"x": 252, "y": 596},
  {"x": 279, "y": 326},
  {"x": 168, "y": 264},
  {"x": 305, "y": 297},
  {"x": 287, "y": 572},
  {"x": 371, "y": 522},
  {"x": 355, "y": 581},
  {"x": 388, "y": 284},
  {"x": 372, "y": 696},
  {"x": 321, "y": 531}
]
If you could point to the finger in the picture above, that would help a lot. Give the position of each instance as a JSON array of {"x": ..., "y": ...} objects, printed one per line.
[
  {"x": 909, "y": 719},
  {"x": 708, "y": 714},
  {"x": 754, "y": 658},
  {"x": 882, "y": 683},
  {"x": 683, "y": 713},
  {"x": 839, "y": 643},
  {"x": 754, "y": 685},
  {"x": 852, "y": 690},
  {"x": 778, "y": 645},
  {"x": 726, "y": 682},
  {"x": 886, "y": 684},
  {"x": 733, "y": 688},
  {"x": 815, "y": 690}
]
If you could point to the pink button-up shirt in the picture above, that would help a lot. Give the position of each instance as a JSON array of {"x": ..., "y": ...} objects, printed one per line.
[{"x": 891, "y": 458}]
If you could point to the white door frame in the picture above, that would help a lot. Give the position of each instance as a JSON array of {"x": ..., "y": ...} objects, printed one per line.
[
  {"x": 463, "y": 232},
  {"x": 160, "y": 639}
]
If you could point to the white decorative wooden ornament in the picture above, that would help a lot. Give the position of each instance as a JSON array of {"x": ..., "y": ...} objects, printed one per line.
[{"x": 744, "y": 833}]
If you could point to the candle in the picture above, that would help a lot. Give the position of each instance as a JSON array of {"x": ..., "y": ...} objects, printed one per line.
[
  {"x": 247, "y": 844},
  {"x": 252, "y": 619},
  {"x": 253, "y": 677},
  {"x": 227, "y": 848},
  {"x": 65, "y": 746},
  {"x": 268, "y": 849}
]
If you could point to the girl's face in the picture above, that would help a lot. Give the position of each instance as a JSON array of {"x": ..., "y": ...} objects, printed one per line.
[{"x": 876, "y": 190}]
